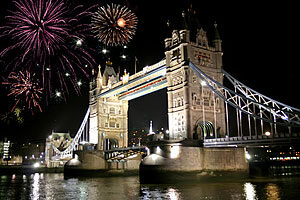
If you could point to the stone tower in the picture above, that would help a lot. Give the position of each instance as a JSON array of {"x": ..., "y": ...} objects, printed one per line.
[
  {"x": 193, "y": 110},
  {"x": 108, "y": 116},
  {"x": 93, "y": 119}
]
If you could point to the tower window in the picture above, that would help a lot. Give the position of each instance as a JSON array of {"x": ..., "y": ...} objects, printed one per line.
[
  {"x": 112, "y": 124},
  {"x": 112, "y": 110}
]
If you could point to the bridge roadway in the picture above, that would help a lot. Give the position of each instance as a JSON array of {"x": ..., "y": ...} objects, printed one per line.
[
  {"x": 121, "y": 154},
  {"x": 259, "y": 140},
  {"x": 150, "y": 79}
]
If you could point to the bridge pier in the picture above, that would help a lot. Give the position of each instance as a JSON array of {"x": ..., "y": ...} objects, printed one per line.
[
  {"x": 171, "y": 161},
  {"x": 96, "y": 163}
]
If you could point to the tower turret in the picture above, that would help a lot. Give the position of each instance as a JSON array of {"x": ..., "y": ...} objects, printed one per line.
[
  {"x": 217, "y": 39},
  {"x": 94, "y": 91},
  {"x": 99, "y": 80},
  {"x": 109, "y": 75}
]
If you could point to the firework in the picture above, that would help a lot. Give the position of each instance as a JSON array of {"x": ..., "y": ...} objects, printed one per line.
[
  {"x": 42, "y": 33},
  {"x": 24, "y": 87},
  {"x": 114, "y": 25}
]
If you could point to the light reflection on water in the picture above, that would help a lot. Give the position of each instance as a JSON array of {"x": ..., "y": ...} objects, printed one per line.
[
  {"x": 250, "y": 192},
  {"x": 55, "y": 186}
]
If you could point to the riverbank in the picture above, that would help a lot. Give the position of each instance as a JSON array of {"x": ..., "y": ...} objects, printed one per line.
[{"x": 28, "y": 169}]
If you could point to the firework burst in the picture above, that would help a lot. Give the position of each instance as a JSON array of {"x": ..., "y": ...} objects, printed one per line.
[
  {"x": 114, "y": 25},
  {"x": 23, "y": 86},
  {"x": 42, "y": 33}
]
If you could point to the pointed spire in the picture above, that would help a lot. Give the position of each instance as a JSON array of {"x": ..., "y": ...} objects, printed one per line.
[
  {"x": 217, "y": 35},
  {"x": 99, "y": 72},
  {"x": 99, "y": 79},
  {"x": 151, "y": 130},
  {"x": 217, "y": 40}
]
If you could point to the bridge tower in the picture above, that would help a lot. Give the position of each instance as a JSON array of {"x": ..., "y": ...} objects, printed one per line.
[
  {"x": 193, "y": 110},
  {"x": 108, "y": 115}
]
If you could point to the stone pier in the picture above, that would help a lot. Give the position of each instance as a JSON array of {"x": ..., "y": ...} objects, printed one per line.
[
  {"x": 171, "y": 161},
  {"x": 93, "y": 163}
]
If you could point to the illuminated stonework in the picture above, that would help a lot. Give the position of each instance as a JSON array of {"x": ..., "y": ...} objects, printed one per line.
[
  {"x": 191, "y": 104},
  {"x": 189, "y": 100},
  {"x": 108, "y": 115}
]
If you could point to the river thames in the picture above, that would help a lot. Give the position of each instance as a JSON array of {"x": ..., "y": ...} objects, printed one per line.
[{"x": 56, "y": 186}]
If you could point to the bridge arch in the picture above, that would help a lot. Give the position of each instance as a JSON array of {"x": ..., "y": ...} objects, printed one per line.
[
  {"x": 205, "y": 130},
  {"x": 110, "y": 143}
]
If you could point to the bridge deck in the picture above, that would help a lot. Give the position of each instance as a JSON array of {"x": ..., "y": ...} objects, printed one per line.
[{"x": 253, "y": 140}]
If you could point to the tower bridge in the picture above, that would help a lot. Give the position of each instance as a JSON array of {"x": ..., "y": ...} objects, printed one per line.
[{"x": 200, "y": 106}]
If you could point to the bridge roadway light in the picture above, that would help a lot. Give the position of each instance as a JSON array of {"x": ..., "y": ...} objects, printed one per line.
[
  {"x": 36, "y": 165},
  {"x": 267, "y": 133}
]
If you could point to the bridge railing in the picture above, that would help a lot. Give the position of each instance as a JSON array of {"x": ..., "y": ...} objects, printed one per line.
[
  {"x": 123, "y": 153},
  {"x": 259, "y": 140}
]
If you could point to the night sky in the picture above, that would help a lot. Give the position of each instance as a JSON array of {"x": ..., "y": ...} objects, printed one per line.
[{"x": 260, "y": 44}]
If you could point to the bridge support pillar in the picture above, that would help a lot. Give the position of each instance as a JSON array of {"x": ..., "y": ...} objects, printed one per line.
[{"x": 176, "y": 161}]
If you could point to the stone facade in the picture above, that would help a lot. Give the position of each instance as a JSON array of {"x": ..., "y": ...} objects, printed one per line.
[
  {"x": 108, "y": 116},
  {"x": 187, "y": 159},
  {"x": 189, "y": 100}
]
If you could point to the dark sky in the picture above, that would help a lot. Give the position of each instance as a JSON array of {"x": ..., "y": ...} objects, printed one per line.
[{"x": 260, "y": 43}]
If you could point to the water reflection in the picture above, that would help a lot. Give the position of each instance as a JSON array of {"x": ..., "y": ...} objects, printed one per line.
[
  {"x": 250, "y": 192},
  {"x": 159, "y": 192},
  {"x": 272, "y": 191},
  {"x": 56, "y": 187},
  {"x": 173, "y": 194},
  {"x": 35, "y": 186}
]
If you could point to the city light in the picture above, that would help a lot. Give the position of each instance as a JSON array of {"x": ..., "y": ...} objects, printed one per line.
[{"x": 36, "y": 165}]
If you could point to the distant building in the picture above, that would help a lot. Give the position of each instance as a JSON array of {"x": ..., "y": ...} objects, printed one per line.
[
  {"x": 1, "y": 149},
  {"x": 8, "y": 153},
  {"x": 61, "y": 141},
  {"x": 32, "y": 152}
]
